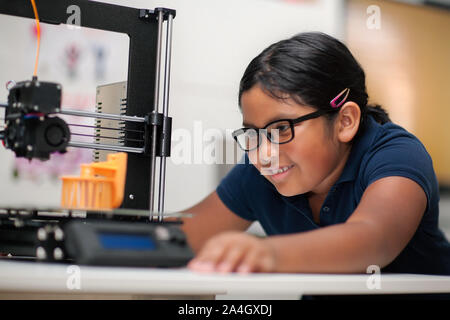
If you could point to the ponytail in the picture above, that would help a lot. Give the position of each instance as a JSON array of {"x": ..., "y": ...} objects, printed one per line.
[{"x": 378, "y": 113}]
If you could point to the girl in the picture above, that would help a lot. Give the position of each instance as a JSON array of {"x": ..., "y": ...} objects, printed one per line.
[{"x": 349, "y": 189}]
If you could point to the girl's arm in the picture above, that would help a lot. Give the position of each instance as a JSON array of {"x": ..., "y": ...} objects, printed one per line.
[
  {"x": 210, "y": 217},
  {"x": 378, "y": 230}
]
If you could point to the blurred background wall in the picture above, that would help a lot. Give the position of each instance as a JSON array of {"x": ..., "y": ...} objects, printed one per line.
[
  {"x": 407, "y": 62},
  {"x": 403, "y": 46}
]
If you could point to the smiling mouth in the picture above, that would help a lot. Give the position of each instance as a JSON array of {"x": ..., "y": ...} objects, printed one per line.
[{"x": 276, "y": 172}]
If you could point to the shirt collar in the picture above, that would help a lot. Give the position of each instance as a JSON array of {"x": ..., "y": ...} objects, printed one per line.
[{"x": 360, "y": 147}]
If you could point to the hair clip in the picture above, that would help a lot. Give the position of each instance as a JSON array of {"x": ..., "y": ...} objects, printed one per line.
[{"x": 333, "y": 102}]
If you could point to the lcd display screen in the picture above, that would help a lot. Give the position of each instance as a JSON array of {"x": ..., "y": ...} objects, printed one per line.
[{"x": 120, "y": 241}]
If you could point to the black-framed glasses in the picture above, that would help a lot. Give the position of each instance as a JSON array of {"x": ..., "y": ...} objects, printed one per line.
[
  {"x": 278, "y": 131},
  {"x": 282, "y": 131}
]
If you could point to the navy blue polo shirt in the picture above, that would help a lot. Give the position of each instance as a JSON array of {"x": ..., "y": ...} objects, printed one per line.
[{"x": 380, "y": 151}]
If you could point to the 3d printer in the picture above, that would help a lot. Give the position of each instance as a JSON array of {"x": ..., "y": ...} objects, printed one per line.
[{"x": 133, "y": 234}]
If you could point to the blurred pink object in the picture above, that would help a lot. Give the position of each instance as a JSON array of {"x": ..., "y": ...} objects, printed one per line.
[{"x": 59, "y": 164}]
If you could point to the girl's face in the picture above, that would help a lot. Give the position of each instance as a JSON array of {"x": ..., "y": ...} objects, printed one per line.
[{"x": 315, "y": 157}]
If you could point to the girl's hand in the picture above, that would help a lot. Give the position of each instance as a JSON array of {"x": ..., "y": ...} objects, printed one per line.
[{"x": 235, "y": 252}]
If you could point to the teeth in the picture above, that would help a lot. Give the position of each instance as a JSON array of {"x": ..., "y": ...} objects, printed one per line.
[{"x": 281, "y": 170}]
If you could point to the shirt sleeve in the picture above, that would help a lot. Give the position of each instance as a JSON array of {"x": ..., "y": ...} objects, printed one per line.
[
  {"x": 233, "y": 190},
  {"x": 405, "y": 157}
]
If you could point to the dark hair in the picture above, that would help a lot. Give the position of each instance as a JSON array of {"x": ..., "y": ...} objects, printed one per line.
[{"x": 311, "y": 68}]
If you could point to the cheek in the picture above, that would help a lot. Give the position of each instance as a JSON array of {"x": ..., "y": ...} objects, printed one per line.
[
  {"x": 308, "y": 149},
  {"x": 310, "y": 163},
  {"x": 314, "y": 158},
  {"x": 314, "y": 155}
]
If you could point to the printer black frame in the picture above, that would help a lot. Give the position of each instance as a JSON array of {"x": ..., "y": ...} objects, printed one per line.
[{"x": 141, "y": 25}]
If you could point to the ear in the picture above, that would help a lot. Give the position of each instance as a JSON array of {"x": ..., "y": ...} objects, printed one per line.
[{"x": 347, "y": 123}]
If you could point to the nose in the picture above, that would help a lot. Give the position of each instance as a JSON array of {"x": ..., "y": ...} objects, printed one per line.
[{"x": 265, "y": 155}]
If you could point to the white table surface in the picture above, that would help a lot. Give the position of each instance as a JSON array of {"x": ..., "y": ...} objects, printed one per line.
[{"x": 21, "y": 279}]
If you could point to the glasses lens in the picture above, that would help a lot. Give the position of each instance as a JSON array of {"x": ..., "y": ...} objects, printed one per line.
[
  {"x": 248, "y": 139},
  {"x": 279, "y": 132}
]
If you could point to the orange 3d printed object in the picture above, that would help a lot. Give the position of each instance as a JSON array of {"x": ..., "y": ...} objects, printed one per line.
[{"x": 100, "y": 185}]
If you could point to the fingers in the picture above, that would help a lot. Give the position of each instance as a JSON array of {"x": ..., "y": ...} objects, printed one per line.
[
  {"x": 226, "y": 263},
  {"x": 220, "y": 254},
  {"x": 257, "y": 261},
  {"x": 208, "y": 258},
  {"x": 240, "y": 253}
]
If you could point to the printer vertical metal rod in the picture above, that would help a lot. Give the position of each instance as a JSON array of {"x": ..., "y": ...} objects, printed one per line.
[
  {"x": 155, "y": 110},
  {"x": 162, "y": 166}
]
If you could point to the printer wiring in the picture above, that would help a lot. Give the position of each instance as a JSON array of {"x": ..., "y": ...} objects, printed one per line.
[{"x": 38, "y": 30}]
